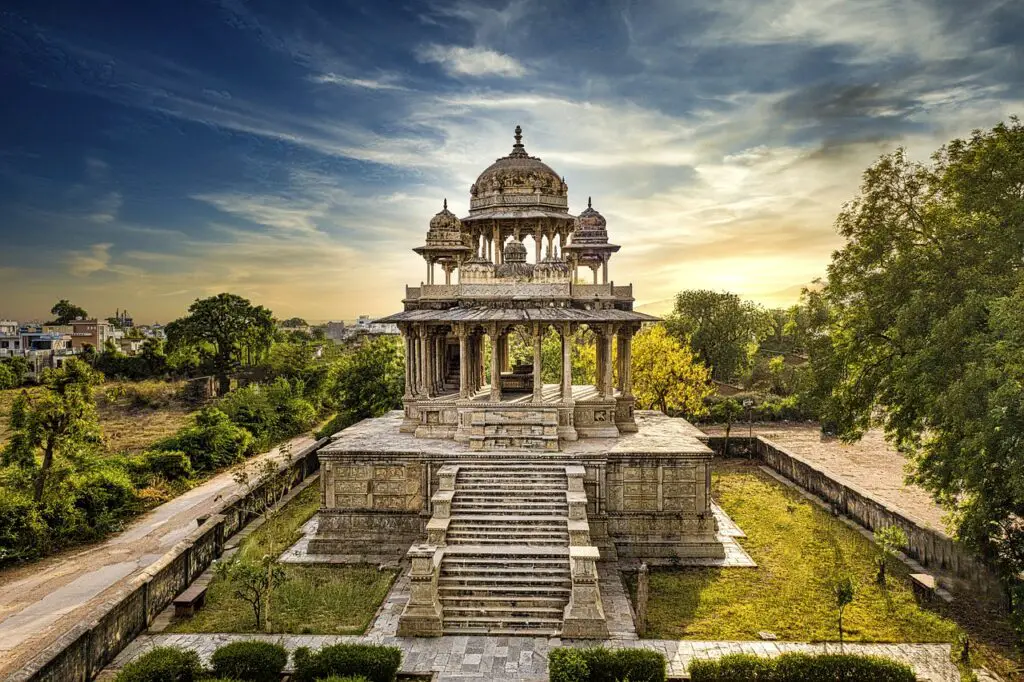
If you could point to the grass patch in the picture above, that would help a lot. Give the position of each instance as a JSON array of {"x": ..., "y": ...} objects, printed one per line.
[
  {"x": 133, "y": 414},
  {"x": 328, "y": 600},
  {"x": 800, "y": 550}
]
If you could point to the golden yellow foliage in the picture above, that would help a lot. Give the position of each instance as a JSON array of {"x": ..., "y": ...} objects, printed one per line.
[{"x": 666, "y": 375}]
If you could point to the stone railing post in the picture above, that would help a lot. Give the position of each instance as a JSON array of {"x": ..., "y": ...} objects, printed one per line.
[
  {"x": 584, "y": 616},
  {"x": 422, "y": 614},
  {"x": 446, "y": 477},
  {"x": 643, "y": 579},
  {"x": 442, "y": 503}
]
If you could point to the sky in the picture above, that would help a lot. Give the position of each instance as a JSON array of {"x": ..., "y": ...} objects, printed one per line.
[{"x": 152, "y": 153}]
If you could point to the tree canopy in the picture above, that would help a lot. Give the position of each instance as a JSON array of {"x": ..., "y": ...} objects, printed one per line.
[
  {"x": 65, "y": 312},
  {"x": 666, "y": 375},
  {"x": 927, "y": 332},
  {"x": 59, "y": 421},
  {"x": 226, "y": 330},
  {"x": 723, "y": 329}
]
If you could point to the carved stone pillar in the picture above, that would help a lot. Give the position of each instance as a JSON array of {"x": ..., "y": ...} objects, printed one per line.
[
  {"x": 463, "y": 363},
  {"x": 626, "y": 348},
  {"x": 495, "y": 369},
  {"x": 606, "y": 365},
  {"x": 567, "y": 335},
  {"x": 408, "y": 362},
  {"x": 424, "y": 362},
  {"x": 604, "y": 269},
  {"x": 599, "y": 362},
  {"x": 538, "y": 385},
  {"x": 497, "y": 246}
]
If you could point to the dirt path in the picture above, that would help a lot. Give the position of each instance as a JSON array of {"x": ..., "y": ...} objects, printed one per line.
[
  {"x": 870, "y": 464},
  {"x": 41, "y": 601}
]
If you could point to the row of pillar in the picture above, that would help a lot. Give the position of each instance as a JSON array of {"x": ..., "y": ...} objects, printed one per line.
[{"x": 426, "y": 360}]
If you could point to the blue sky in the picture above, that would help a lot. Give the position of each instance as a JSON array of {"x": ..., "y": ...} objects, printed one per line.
[{"x": 294, "y": 152}]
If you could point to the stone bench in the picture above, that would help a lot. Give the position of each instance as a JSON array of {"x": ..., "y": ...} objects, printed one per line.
[
  {"x": 924, "y": 586},
  {"x": 191, "y": 600}
]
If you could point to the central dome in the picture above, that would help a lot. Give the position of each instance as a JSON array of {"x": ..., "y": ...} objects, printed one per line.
[{"x": 519, "y": 180}]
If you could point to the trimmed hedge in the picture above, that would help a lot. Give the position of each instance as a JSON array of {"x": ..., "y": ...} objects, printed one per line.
[
  {"x": 375, "y": 663},
  {"x": 598, "y": 664},
  {"x": 796, "y": 667},
  {"x": 163, "y": 664},
  {"x": 252, "y": 661}
]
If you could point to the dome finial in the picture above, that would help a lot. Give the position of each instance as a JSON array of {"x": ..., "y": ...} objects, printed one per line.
[
  {"x": 518, "y": 150},
  {"x": 519, "y": 136},
  {"x": 588, "y": 203},
  {"x": 446, "y": 203}
]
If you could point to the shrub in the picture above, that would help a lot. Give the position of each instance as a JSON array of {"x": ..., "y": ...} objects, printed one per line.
[
  {"x": 22, "y": 530},
  {"x": 173, "y": 465},
  {"x": 375, "y": 663},
  {"x": 797, "y": 667},
  {"x": 211, "y": 442},
  {"x": 567, "y": 665},
  {"x": 607, "y": 665},
  {"x": 346, "y": 678},
  {"x": 104, "y": 496},
  {"x": 340, "y": 421},
  {"x": 163, "y": 664},
  {"x": 253, "y": 661}
]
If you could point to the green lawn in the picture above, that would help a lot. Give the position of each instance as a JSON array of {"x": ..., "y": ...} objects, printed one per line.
[
  {"x": 799, "y": 549},
  {"x": 326, "y": 600}
]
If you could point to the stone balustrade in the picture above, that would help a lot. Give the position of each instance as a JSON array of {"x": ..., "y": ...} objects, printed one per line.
[
  {"x": 422, "y": 615},
  {"x": 584, "y": 616}
]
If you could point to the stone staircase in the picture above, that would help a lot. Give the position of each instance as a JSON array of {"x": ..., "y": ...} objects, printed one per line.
[{"x": 506, "y": 562}]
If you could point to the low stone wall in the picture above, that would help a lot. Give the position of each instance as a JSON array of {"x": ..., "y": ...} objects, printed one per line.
[
  {"x": 90, "y": 646},
  {"x": 929, "y": 546}
]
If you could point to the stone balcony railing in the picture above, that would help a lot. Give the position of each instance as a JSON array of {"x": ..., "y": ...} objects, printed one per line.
[{"x": 496, "y": 289}]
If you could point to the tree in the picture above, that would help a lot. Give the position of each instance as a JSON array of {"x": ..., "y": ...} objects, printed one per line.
[
  {"x": 723, "y": 330},
  {"x": 227, "y": 330},
  {"x": 371, "y": 380},
  {"x": 843, "y": 591},
  {"x": 889, "y": 540},
  {"x": 666, "y": 375},
  {"x": 253, "y": 581},
  {"x": 926, "y": 337},
  {"x": 60, "y": 421},
  {"x": 295, "y": 322},
  {"x": 730, "y": 408},
  {"x": 8, "y": 379},
  {"x": 66, "y": 311}
]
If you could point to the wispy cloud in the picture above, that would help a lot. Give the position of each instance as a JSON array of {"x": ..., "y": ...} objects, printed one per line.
[
  {"x": 366, "y": 83},
  {"x": 471, "y": 61}
]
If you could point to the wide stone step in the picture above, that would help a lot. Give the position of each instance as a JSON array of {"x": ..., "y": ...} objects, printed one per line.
[
  {"x": 507, "y": 529},
  {"x": 510, "y": 487},
  {"x": 499, "y": 611},
  {"x": 453, "y": 591},
  {"x": 514, "y": 623},
  {"x": 507, "y": 602},
  {"x": 505, "y": 632},
  {"x": 489, "y": 561},
  {"x": 526, "y": 542},
  {"x": 509, "y": 550},
  {"x": 509, "y": 519},
  {"x": 503, "y": 533},
  {"x": 496, "y": 582},
  {"x": 517, "y": 571},
  {"x": 520, "y": 502}
]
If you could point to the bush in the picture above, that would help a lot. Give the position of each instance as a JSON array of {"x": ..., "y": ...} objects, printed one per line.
[
  {"x": 173, "y": 465},
  {"x": 253, "y": 661},
  {"x": 272, "y": 412},
  {"x": 22, "y": 531},
  {"x": 211, "y": 442},
  {"x": 163, "y": 664},
  {"x": 104, "y": 496},
  {"x": 567, "y": 665},
  {"x": 340, "y": 421},
  {"x": 346, "y": 678},
  {"x": 375, "y": 663},
  {"x": 598, "y": 664},
  {"x": 801, "y": 668}
]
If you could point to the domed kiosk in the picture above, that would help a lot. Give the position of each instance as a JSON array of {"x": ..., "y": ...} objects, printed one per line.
[{"x": 488, "y": 471}]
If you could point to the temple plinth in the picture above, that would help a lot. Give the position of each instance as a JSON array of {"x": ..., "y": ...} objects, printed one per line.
[{"x": 508, "y": 476}]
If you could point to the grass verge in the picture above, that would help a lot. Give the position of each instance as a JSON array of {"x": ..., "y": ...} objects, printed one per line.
[
  {"x": 801, "y": 550},
  {"x": 327, "y": 600}
]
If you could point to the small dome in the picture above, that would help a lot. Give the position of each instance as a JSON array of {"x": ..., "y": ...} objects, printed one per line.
[
  {"x": 552, "y": 270},
  {"x": 514, "y": 265},
  {"x": 445, "y": 229},
  {"x": 591, "y": 227}
]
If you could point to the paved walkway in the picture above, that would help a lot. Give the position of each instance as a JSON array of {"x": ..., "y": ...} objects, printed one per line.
[
  {"x": 41, "y": 601},
  {"x": 525, "y": 658},
  {"x": 871, "y": 464}
]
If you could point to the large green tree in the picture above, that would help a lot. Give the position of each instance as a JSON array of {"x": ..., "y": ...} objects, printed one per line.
[
  {"x": 65, "y": 311},
  {"x": 59, "y": 421},
  {"x": 371, "y": 380},
  {"x": 723, "y": 329},
  {"x": 227, "y": 331},
  {"x": 927, "y": 328},
  {"x": 666, "y": 375}
]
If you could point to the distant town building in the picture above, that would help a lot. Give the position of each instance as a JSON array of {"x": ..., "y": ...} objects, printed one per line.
[
  {"x": 8, "y": 327},
  {"x": 90, "y": 332},
  {"x": 122, "y": 320},
  {"x": 336, "y": 331}
]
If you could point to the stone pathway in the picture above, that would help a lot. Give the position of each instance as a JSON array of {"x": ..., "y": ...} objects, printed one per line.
[{"x": 524, "y": 659}]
